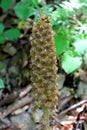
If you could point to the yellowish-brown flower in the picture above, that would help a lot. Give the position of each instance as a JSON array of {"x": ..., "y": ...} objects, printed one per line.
[{"x": 43, "y": 68}]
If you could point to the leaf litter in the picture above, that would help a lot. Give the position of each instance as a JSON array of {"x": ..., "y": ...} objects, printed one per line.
[{"x": 15, "y": 98}]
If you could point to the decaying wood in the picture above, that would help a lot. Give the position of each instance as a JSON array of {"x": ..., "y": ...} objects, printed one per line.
[
  {"x": 62, "y": 102},
  {"x": 9, "y": 99},
  {"x": 17, "y": 104},
  {"x": 73, "y": 107},
  {"x": 25, "y": 91}
]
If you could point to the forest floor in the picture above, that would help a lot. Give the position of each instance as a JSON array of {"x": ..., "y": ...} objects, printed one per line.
[
  {"x": 15, "y": 98},
  {"x": 16, "y": 101}
]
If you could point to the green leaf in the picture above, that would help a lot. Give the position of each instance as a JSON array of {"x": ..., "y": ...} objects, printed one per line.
[
  {"x": 54, "y": 17},
  {"x": 2, "y": 39},
  {"x": 1, "y": 28},
  {"x": 59, "y": 15},
  {"x": 12, "y": 34},
  {"x": 1, "y": 66},
  {"x": 35, "y": 4},
  {"x": 62, "y": 13},
  {"x": 71, "y": 5},
  {"x": 81, "y": 46},
  {"x": 23, "y": 11},
  {"x": 60, "y": 43},
  {"x": 27, "y": 1},
  {"x": 1, "y": 84},
  {"x": 6, "y": 4},
  {"x": 76, "y": 96},
  {"x": 70, "y": 63},
  {"x": 85, "y": 58}
]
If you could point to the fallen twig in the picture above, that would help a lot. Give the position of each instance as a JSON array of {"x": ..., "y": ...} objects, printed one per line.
[
  {"x": 72, "y": 107},
  {"x": 9, "y": 99},
  {"x": 25, "y": 91},
  {"x": 17, "y": 104}
]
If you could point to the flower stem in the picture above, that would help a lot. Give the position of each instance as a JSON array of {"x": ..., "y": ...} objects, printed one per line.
[{"x": 45, "y": 120}]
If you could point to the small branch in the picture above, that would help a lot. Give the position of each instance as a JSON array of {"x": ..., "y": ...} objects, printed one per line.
[
  {"x": 17, "y": 104},
  {"x": 72, "y": 107},
  {"x": 25, "y": 91}
]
